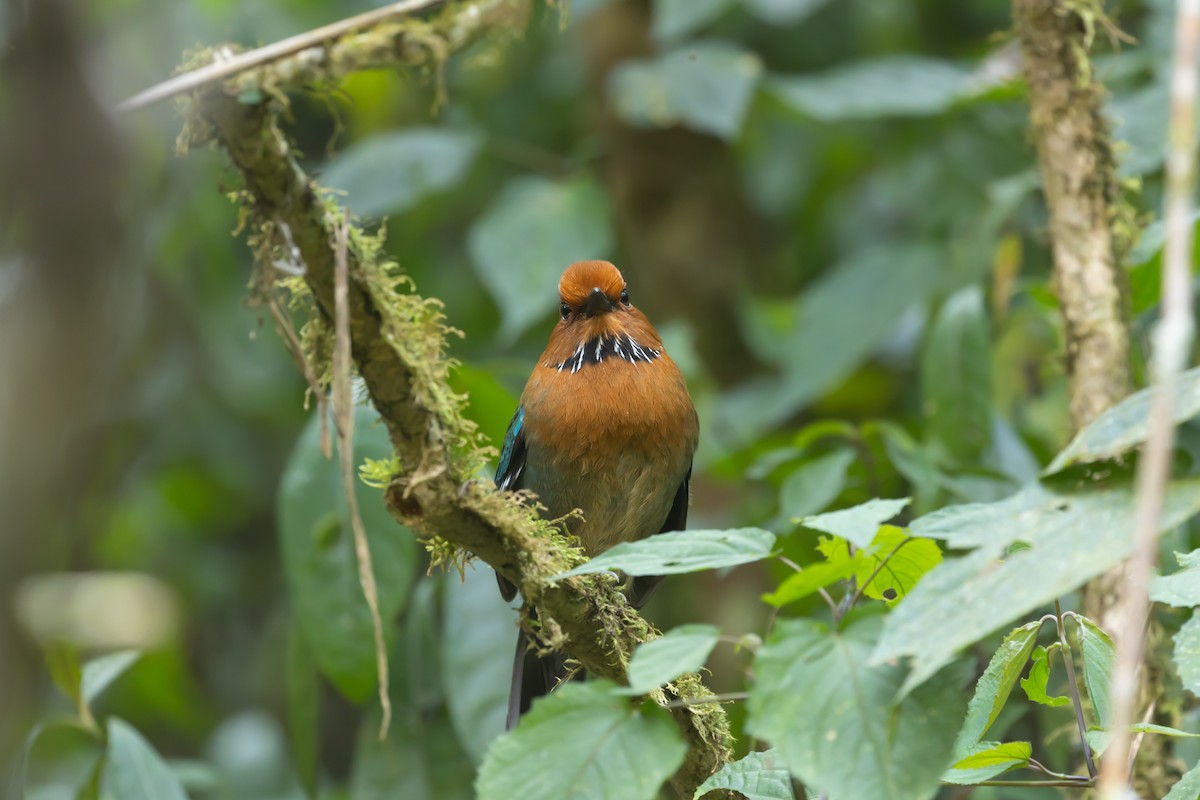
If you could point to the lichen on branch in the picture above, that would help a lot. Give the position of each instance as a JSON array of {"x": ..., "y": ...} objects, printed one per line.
[{"x": 398, "y": 346}]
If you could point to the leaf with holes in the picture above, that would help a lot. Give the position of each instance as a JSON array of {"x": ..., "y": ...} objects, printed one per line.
[
  {"x": 1066, "y": 537},
  {"x": 895, "y": 563},
  {"x": 583, "y": 741}
]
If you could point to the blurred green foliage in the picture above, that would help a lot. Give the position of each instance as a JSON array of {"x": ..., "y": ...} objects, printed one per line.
[{"x": 829, "y": 208}]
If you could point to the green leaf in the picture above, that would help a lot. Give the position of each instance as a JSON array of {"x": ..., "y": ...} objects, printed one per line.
[
  {"x": 1187, "y": 654},
  {"x": 581, "y": 741},
  {"x": 681, "y": 551},
  {"x": 975, "y": 524},
  {"x": 1123, "y": 426},
  {"x": 784, "y": 12},
  {"x": 391, "y": 172},
  {"x": 674, "y": 19},
  {"x": 476, "y": 654},
  {"x": 1099, "y": 738},
  {"x": 300, "y": 678},
  {"x": 706, "y": 86},
  {"x": 956, "y": 376},
  {"x": 901, "y": 561},
  {"x": 659, "y": 661},
  {"x": 533, "y": 229},
  {"x": 421, "y": 759},
  {"x": 133, "y": 770},
  {"x": 1098, "y": 656},
  {"x": 835, "y": 719},
  {"x": 1187, "y": 787},
  {"x": 1039, "y": 675},
  {"x": 815, "y": 484},
  {"x": 826, "y": 332},
  {"x": 893, "y": 86},
  {"x": 319, "y": 562},
  {"x": 859, "y": 524},
  {"x": 1181, "y": 588},
  {"x": 987, "y": 760},
  {"x": 99, "y": 673},
  {"x": 1067, "y": 538},
  {"x": 996, "y": 684},
  {"x": 757, "y": 776},
  {"x": 62, "y": 661},
  {"x": 813, "y": 577}
]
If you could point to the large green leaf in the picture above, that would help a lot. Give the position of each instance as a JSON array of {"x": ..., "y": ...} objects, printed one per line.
[
  {"x": 300, "y": 679},
  {"x": 1098, "y": 655},
  {"x": 834, "y": 718},
  {"x": 99, "y": 673},
  {"x": 995, "y": 685},
  {"x": 1068, "y": 538},
  {"x": 784, "y": 12},
  {"x": 533, "y": 229},
  {"x": 892, "y": 86},
  {"x": 1187, "y": 654},
  {"x": 674, "y": 19},
  {"x": 662, "y": 660},
  {"x": 757, "y": 776},
  {"x": 1181, "y": 588},
  {"x": 421, "y": 759},
  {"x": 815, "y": 484},
  {"x": 858, "y": 524},
  {"x": 956, "y": 376},
  {"x": 133, "y": 770},
  {"x": 1124, "y": 426},
  {"x": 393, "y": 171},
  {"x": 987, "y": 760},
  {"x": 706, "y": 86},
  {"x": 976, "y": 524},
  {"x": 584, "y": 742},
  {"x": 1035, "y": 685},
  {"x": 476, "y": 647},
  {"x": 681, "y": 551},
  {"x": 819, "y": 338},
  {"x": 1187, "y": 787},
  {"x": 319, "y": 562}
]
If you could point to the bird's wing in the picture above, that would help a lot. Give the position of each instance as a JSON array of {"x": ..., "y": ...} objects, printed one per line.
[
  {"x": 676, "y": 520},
  {"x": 508, "y": 477}
]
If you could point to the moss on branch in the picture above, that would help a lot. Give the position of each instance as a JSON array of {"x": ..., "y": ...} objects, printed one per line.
[{"x": 398, "y": 342}]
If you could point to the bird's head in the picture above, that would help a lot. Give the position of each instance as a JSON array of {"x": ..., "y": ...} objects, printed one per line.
[{"x": 593, "y": 297}]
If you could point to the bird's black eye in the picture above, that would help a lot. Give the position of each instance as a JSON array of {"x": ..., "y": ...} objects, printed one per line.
[
  {"x": 625, "y": 296},
  {"x": 565, "y": 310}
]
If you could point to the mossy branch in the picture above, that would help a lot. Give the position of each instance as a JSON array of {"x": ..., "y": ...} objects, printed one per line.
[{"x": 398, "y": 343}]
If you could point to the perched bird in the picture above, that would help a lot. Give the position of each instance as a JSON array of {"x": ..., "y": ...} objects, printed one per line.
[{"x": 605, "y": 425}]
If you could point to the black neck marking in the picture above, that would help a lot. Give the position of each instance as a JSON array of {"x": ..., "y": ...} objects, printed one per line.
[{"x": 600, "y": 348}]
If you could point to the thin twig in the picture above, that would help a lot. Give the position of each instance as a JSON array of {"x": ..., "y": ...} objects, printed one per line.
[
  {"x": 1076, "y": 701},
  {"x": 224, "y": 68},
  {"x": 1034, "y": 764},
  {"x": 729, "y": 697},
  {"x": 343, "y": 406},
  {"x": 1083, "y": 783},
  {"x": 833, "y": 607},
  {"x": 1172, "y": 343}
]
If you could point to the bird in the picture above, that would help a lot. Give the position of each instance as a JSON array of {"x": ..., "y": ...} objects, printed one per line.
[{"x": 606, "y": 426}]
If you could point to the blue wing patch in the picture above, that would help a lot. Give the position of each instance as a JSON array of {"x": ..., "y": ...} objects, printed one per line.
[{"x": 512, "y": 454}]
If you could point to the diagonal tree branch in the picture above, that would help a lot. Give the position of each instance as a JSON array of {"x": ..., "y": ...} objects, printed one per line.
[{"x": 398, "y": 343}]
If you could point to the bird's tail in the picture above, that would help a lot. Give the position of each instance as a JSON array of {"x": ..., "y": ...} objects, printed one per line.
[{"x": 532, "y": 677}]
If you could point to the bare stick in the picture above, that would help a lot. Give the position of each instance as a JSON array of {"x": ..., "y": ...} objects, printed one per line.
[
  {"x": 1069, "y": 663},
  {"x": 252, "y": 58},
  {"x": 1172, "y": 342},
  {"x": 343, "y": 406}
]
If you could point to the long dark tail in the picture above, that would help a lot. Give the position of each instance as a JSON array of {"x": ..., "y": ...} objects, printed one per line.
[{"x": 533, "y": 676}]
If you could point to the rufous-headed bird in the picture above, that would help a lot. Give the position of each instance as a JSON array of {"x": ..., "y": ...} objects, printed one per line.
[{"x": 605, "y": 426}]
